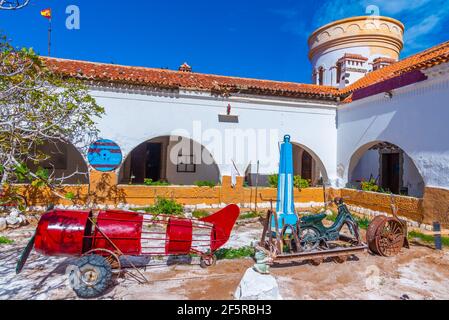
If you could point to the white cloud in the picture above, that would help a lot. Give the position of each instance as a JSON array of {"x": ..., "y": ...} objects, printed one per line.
[{"x": 423, "y": 19}]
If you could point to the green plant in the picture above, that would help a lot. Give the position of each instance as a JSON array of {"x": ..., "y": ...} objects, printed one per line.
[
  {"x": 150, "y": 182},
  {"x": 273, "y": 180},
  {"x": 164, "y": 206},
  {"x": 427, "y": 238},
  {"x": 198, "y": 214},
  {"x": 370, "y": 185},
  {"x": 298, "y": 181},
  {"x": 249, "y": 215},
  {"x": 205, "y": 183},
  {"x": 231, "y": 254},
  {"x": 69, "y": 196},
  {"x": 4, "y": 240}
]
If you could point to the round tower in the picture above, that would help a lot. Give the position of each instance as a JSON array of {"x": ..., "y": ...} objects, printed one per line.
[{"x": 343, "y": 51}]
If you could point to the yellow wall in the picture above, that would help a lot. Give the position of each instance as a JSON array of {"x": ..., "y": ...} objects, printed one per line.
[{"x": 104, "y": 190}]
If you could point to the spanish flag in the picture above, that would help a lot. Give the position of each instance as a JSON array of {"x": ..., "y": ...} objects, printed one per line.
[{"x": 46, "y": 13}]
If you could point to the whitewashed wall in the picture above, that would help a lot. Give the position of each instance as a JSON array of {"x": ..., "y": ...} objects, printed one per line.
[
  {"x": 415, "y": 119},
  {"x": 133, "y": 118}
]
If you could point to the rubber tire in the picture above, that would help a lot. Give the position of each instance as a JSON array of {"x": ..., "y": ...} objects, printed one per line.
[{"x": 104, "y": 276}]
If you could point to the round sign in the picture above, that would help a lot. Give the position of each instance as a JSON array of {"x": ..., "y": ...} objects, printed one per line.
[{"x": 104, "y": 155}]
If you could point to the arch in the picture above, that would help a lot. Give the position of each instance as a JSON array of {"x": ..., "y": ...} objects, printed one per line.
[
  {"x": 303, "y": 153},
  {"x": 66, "y": 163},
  {"x": 176, "y": 159},
  {"x": 392, "y": 168}
]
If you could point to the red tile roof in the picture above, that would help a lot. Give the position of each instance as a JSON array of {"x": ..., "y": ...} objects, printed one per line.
[
  {"x": 169, "y": 79},
  {"x": 353, "y": 56},
  {"x": 161, "y": 78},
  {"x": 423, "y": 60}
]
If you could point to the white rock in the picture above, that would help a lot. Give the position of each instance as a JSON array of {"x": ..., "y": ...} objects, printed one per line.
[
  {"x": 3, "y": 224},
  {"x": 255, "y": 286},
  {"x": 12, "y": 220},
  {"x": 15, "y": 213}
]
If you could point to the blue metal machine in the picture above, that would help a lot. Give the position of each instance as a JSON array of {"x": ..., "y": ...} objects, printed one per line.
[{"x": 285, "y": 206}]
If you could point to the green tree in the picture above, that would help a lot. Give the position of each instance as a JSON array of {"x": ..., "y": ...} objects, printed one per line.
[{"x": 38, "y": 106}]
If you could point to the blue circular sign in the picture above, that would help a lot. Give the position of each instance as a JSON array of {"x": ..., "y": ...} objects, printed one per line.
[{"x": 104, "y": 155}]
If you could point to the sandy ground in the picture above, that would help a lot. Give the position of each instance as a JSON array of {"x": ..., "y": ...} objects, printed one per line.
[{"x": 418, "y": 273}]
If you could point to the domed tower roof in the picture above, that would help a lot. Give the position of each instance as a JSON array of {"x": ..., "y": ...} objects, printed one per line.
[{"x": 370, "y": 37}]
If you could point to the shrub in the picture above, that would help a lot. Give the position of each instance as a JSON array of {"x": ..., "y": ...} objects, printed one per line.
[
  {"x": 301, "y": 183},
  {"x": 209, "y": 184},
  {"x": 427, "y": 238},
  {"x": 230, "y": 254},
  {"x": 164, "y": 206},
  {"x": 249, "y": 215},
  {"x": 4, "y": 240},
  {"x": 150, "y": 182},
  {"x": 298, "y": 182},
  {"x": 273, "y": 180},
  {"x": 370, "y": 185},
  {"x": 198, "y": 214}
]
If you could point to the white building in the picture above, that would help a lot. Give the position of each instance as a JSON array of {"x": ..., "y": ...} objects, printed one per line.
[{"x": 368, "y": 114}]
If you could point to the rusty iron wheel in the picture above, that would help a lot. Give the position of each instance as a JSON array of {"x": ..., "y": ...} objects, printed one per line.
[
  {"x": 316, "y": 262},
  {"x": 340, "y": 259},
  {"x": 385, "y": 236}
]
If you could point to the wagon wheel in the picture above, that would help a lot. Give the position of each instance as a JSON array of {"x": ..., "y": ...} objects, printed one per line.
[
  {"x": 111, "y": 257},
  {"x": 207, "y": 261},
  {"x": 371, "y": 232},
  {"x": 309, "y": 239},
  {"x": 340, "y": 259},
  {"x": 386, "y": 236},
  {"x": 316, "y": 262}
]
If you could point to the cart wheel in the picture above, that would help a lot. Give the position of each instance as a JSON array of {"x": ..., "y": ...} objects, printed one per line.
[
  {"x": 91, "y": 276},
  {"x": 316, "y": 262},
  {"x": 340, "y": 259},
  {"x": 309, "y": 238},
  {"x": 208, "y": 261}
]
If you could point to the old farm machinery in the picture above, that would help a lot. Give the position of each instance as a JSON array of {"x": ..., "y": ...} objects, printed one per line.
[
  {"x": 103, "y": 240},
  {"x": 287, "y": 236},
  {"x": 386, "y": 236}
]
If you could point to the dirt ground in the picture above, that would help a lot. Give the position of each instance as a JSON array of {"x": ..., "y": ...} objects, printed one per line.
[{"x": 418, "y": 273}]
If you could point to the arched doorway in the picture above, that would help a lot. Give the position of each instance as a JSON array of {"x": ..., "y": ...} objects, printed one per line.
[
  {"x": 63, "y": 162},
  {"x": 388, "y": 166},
  {"x": 308, "y": 165},
  {"x": 171, "y": 159}
]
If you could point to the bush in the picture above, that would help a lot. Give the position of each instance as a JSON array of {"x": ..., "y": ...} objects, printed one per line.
[
  {"x": 4, "y": 240},
  {"x": 249, "y": 215},
  {"x": 164, "y": 206},
  {"x": 198, "y": 214},
  {"x": 209, "y": 184},
  {"x": 230, "y": 254},
  {"x": 301, "y": 183},
  {"x": 273, "y": 180},
  {"x": 150, "y": 182},
  {"x": 298, "y": 182},
  {"x": 370, "y": 185}
]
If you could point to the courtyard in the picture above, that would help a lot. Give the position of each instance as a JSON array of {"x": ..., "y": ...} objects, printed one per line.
[{"x": 417, "y": 273}]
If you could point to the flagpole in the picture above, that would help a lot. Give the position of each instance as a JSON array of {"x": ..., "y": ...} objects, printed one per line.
[{"x": 49, "y": 37}]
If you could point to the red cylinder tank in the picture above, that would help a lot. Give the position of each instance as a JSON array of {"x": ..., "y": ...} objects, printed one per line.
[
  {"x": 62, "y": 233},
  {"x": 123, "y": 228},
  {"x": 179, "y": 236}
]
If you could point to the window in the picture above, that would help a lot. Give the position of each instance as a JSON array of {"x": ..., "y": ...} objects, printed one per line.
[
  {"x": 321, "y": 76},
  {"x": 186, "y": 164},
  {"x": 338, "y": 72}
]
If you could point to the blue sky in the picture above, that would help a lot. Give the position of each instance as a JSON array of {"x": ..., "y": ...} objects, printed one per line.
[{"x": 258, "y": 39}]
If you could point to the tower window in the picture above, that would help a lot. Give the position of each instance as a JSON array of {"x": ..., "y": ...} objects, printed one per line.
[
  {"x": 338, "y": 72},
  {"x": 321, "y": 76}
]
